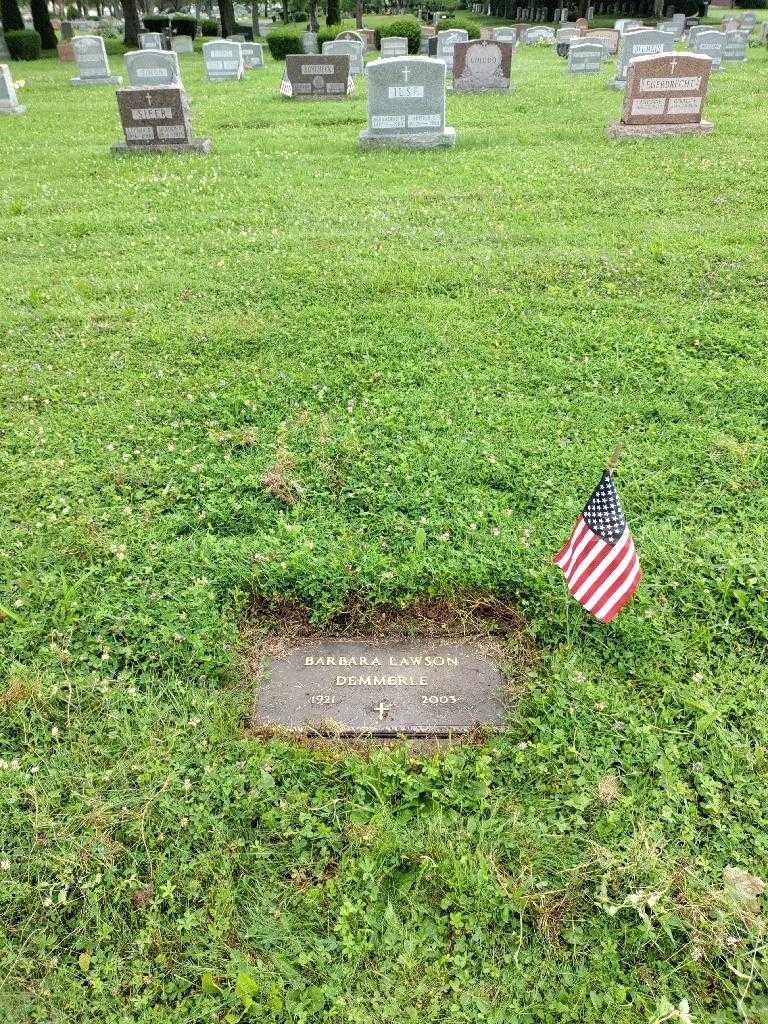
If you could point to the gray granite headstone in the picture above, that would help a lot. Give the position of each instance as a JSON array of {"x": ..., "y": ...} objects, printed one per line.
[
  {"x": 182, "y": 44},
  {"x": 567, "y": 35},
  {"x": 505, "y": 34},
  {"x": 309, "y": 42},
  {"x": 156, "y": 118},
  {"x": 223, "y": 61},
  {"x": 253, "y": 55},
  {"x": 353, "y": 49},
  {"x": 152, "y": 67},
  {"x": 748, "y": 21},
  {"x": 371, "y": 689},
  {"x": 482, "y": 65},
  {"x": 151, "y": 41},
  {"x": 394, "y": 46},
  {"x": 640, "y": 44},
  {"x": 539, "y": 36},
  {"x": 735, "y": 47},
  {"x": 91, "y": 57},
  {"x": 9, "y": 103},
  {"x": 236, "y": 37},
  {"x": 406, "y": 104},
  {"x": 446, "y": 40},
  {"x": 67, "y": 30},
  {"x": 711, "y": 44},
  {"x": 585, "y": 58}
]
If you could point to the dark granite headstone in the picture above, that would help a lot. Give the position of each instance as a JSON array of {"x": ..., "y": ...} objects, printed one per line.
[
  {"x": 157, "y": 118},
  {"x": 316, "y": 77},
  {"x": 357, "y": 688},
  {"x": 482, "y": 65}
]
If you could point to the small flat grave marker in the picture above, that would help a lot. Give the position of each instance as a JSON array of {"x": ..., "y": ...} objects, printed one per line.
[
  {"x": 664, "y": 96},
  {"x": 223, "y": 61},
  {"x": 482, "y": 65},
  {"x": 406, "y": 104},
  {"x": 317, "y": 77},
  {"x": 9, "y": 103},
  {"x": 640, "y": 44},
  {"x": 152, "y": 67},
  {"x": 710, "y": 44},
  {"x": 585, "y": 58},
  {"x": 91, "y": 57},
  {"x": 157, "y": 118},
  {"x": 352, "y": 48},
  {"x": 355, "y": 688},
  {"x": 253, "y": 55}
]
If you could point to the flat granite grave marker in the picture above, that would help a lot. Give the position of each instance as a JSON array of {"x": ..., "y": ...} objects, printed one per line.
[
  {"x": 406, "y": 104},
  {"x": 735, "y": 48},
  {"x": 359, "y": 688},
  {"x": 223, "y": 61},
  {"x": 639, "y": 44},
  {"x": 482, "y": 65},
  {"x": 710, "y": 44},
  {"x": 182, "y": 44},
  {"x": 253, "y": 55},
  {"x": 317, "y": 77},
  {"x": 152, "y": 67},
  {"x": 157, "y": 118},
  {"x": 91, "y": 57},
  {"x": 352, "y": 48},
  {"x": 394, "y": 46},
  {"x": 150, "y": 41},
  {"x": 446, "y": 40},
  {"x": 664, "y": 96},
  {"x": 585, "y": 58},
  {"x": 9, "y": 103}
]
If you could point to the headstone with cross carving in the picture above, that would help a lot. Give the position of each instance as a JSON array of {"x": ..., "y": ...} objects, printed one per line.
[
  {"x": 482, "y": 65},
  {"x": 664, "y": 96},
  {"x": 157, "y": 118},
  {"x": 9, "y": 103},
  {"x": 406, "y": 104},
  {"x": 359, "y": 688},
  {"x": 91, "y": 57}
]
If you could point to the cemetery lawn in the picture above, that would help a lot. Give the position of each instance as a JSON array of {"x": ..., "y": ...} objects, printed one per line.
[{"x": 291, "y": 375}]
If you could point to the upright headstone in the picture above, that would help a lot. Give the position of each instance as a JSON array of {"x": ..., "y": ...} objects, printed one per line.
[
  {"x": 482, "y": 65},
  {"x": 5, "y": 53},
  {"x": 152, "y": 67},
  {"x": 764, "y": 36},
  {"x": 640, "y": 44},
  {"x": 394, "y": 46},
  {"x": 585, "y": 58},
  {"x": 735, "y": 48},
  {"x": 369, "y": 38},
  {"x": 664, "y": 96},
  {"x": 406, "y": 104},
  {"x": 67, "y": 30},
  {"x": 156, "y": 118},
  {"x": 352, "y": 49},
  {"x": 182, "y": 44},
  {"x": 150, "y": 41},
  {"x": 354, "y": 36},
  {"x": 538, "y": 37},
  {"x": 317, "y": 77},
  {"x": 567, "y": 35},
  {"x": 729, "y": 24},
  {"x": 672, "y": 27},
  {"x": 223, "y": 61},
  {"x": 582, "y": 24},
  {"x": 91, "y": 57},
  {"x": 9, "y": 103},
  {"x": 253, "y": 55},
  {"x": 747, "y": 21},
  {"x": 445, "y": 43},
  {"x": 710, "y": 44},
  {"x": 236, "y": 37},
  {"x": 309, "y": 43},
  {"x": 590, "y": 15},
  {"x": 610, "y": 37},
  {"x": 505, "y": 34}
]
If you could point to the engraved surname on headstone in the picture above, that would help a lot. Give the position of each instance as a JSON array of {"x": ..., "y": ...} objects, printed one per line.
[
  {"x": 585, "y": 58},
  {"x": 406, "y": 104},
  {"x": 151, "y": 41},
  {"x": 710, "y": 44},
  {"x": 91, "y": 57},
  {"x": 253, "y": 55},
  {"x": 358, "y": 688},
  {"x": 640, "y": 44},
  {"x": 156, "y": 118},
  {"x": 394, "y": 46},
  {"x": 9, "y": 103},
  {"x": 316, "y": 77},
  {"x": 351, "y": 48},
  {"x": 664, "y": 96},
  {"x": 223, "y": 61},
  {"x": 152, "y": 67},
  {"x": 482, "y": 65}
]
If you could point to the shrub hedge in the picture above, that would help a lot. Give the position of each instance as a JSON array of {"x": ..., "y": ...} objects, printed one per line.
[
  {"x": 181, "y": 24},
  {"x": 114, "y": 47},
  {"x": 327, "y": 34},
  {"x": 282, "y": 41},
  {"x": 459, "y": 21},
  {"x": 209, "y": 27},
  {"x": 407, "y": 26},
  {"x": 24, "y": 45}
]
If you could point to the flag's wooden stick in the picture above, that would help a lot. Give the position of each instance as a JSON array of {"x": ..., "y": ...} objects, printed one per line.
[{"x": 614, "y": 459}]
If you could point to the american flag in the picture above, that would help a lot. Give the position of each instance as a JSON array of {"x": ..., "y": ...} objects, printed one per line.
[{"x": 599, "y": 560}]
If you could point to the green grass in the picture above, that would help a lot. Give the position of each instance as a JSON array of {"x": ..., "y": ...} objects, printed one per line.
[{"x": 440, "y": 350}]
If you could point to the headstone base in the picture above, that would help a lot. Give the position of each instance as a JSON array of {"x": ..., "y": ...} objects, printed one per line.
[
  {"x": 447, "y": 137},
  {"x": 616, "y": 84},
  {"x": 12, "y": 108},
  {"x": 655, "y": 131},
  {"x": 195, "y": 146},
  {"x": 109, "y": 80}
]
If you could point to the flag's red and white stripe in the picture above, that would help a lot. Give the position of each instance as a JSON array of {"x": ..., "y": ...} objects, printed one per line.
[{"x": 601, "y": 576}]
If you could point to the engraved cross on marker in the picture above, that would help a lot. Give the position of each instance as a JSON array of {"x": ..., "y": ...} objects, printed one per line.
[
  {"x": 381, "y": 709},
  {"x": 673, "y": 65},
  {"x": 406, "y": 73}
]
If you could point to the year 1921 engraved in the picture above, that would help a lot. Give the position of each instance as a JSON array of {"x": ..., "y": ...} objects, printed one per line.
[
  {"x": 322, "y": 698},
  {"x": 438, "y": 698}
]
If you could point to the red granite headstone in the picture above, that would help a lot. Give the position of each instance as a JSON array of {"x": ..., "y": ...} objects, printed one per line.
[{"x": 664, "y": 96}]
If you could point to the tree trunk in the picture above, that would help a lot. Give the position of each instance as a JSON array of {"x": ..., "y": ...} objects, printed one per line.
[
  {"x": 285, "y": 12},
  {"x": 41, "y": 19},
  {"x": 255, "y": 19},
  {"x": 131, "y": 15},
  {"x": 227, "y": 13},
  {"x": 332, "y": 16},
  {"x": 312, "y": 24},
  {"x": 10, "y": 15},
  {"x": 359, "y": 14}
]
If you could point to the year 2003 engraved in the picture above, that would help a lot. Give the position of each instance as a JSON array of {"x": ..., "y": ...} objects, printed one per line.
[{"x": 438, "y": 698}]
